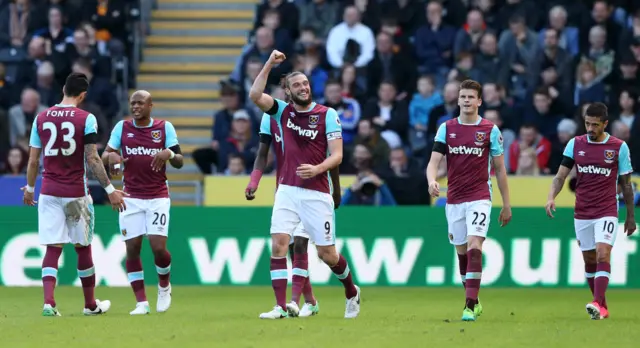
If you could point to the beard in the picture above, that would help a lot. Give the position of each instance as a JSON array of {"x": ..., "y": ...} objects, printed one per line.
[{"x": 301, "y": 101}]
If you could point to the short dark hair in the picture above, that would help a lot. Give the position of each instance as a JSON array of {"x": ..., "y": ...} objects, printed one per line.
[
  {"x": 471, "y": 84},
  {"x": 332, "y": 81},
  {"x": 75, "y": 85},
  {"x": 529, "y": 125},
  {"x": 598, "y": 110},
  {"x": 543, "y": 91}
]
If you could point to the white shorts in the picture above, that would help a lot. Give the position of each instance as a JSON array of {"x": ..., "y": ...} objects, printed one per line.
[
  {"x": 145, "y": 217},
  {"x": 468, "y": 219},
  {"x": 297, "y": 210},
  {"x": 591, "y": 232},
  {"x": 63, "y": 220}
]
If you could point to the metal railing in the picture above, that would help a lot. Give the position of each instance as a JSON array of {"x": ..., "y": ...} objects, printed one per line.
[{"x": 198, "y": 196}]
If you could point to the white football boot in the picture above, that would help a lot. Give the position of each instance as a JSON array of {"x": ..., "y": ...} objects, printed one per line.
[
  {"x": 164, "y": 299},
  {"x": 102, "y": 307},
  {"x": 142, "y": 308},
  {"x": 308, "y": 309},
  {"x": 276, "y": 313},
  {"x": 353, "y": 306}
]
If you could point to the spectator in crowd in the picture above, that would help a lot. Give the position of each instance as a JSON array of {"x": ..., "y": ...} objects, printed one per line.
[
  {"x": 448, "y": 110},
  {"x": 434, "y": 44},
  {"x": 261, "y": 49},
  {"x": 401, "y": 40},
  {"x": 523, "y": 8},
  {"x": 508, "y": 136},
  {"x": 348, "y": 110},
  {"x": 392, "y": 66},
  {"x": 109, "y": 19},
  {"x": 626, "y": 74},
  {"x": 487, "y": 61},
  {"x": 252, "y": 69},
  {"x": 81, "y": 47},
  {"x": 620, "y": 130},
  {"x": 518, "y": 47},
  {"x": 17, "y": 23},
  {"x": 350, "y": 41},
  {"x": 370, "y": 137},
  {"x": 289, "y": 15},
  {"x": 598, "y": 53},
  {"x": 319, "y": 16},
  {"x": 601, "y": 15},
  {"x": 567, "y": 37},
  {"x": 21, "y": 118},
  {"x": 282, "y": 37},
  {"x": 309, "y": 64},
  {"x": 56, "y": 36},
  {"x": 552, "y": 68},
  {"x": 101, "y": 91},
  {"x": 405, "y": 178},
  {"x": 16, "y": 163},
  {"x": 408, "y": 13},
  {"x": 352, "y": 85},
  {"x": 630, "y": 34},
  {"x": 48, "y": 88},
  {"x": 542, "y": 114},
  {"x": 588, "y": 88},
  {"x": 206, "y": 158},
  {"x": 628, "y": 108},
  {"x": 468, "y": 37},
  {"x": 464, "y": 68},
  {"x": 530, "y": 139},
  {"x": 425, "y": 100},
  {"x": 389, "y": 116},
  {"x": 370, "y": 12},
  {"x": 566, "y": 130},
  {"x": 242, "y": 141},
  {"x": 236, "y": 165},
  {"x": 368, "y": 188}
]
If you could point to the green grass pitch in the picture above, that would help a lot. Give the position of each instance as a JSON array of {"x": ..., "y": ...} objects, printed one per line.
[{"x": 389, "y": 317}]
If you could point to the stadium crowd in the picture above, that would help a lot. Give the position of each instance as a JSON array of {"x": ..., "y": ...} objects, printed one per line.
[
  {"x": 41, "y": 42},
  {"x": 391, "y": 68}
]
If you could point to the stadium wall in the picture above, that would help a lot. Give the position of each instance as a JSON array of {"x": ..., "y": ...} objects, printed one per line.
[
  {"x": 228, "y": 191},
  {"x": 385, "y": 247}
]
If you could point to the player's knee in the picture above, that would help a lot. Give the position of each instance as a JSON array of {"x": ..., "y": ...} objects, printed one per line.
[
  {"x": 328, "y": 255},
  {"x": 279, "y": 244},
  {"x": 589, "y": 257},
  {"x": 300, "y": 245},
  {"x": 603, "y": 253}
]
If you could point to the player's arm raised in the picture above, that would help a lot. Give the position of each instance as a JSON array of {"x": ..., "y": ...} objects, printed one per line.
[
  {"x": 264, "y": 101},
  {"x": 497, "y": 157},
  {"x": 439, "y": 149},
  {"x": 558, "y": 181},
  {"x": 625, "y": 169}
]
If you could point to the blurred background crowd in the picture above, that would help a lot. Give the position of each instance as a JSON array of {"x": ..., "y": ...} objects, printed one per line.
[
  {"x": 391, "y": 68},
  {"x": 41, "y": 42}
]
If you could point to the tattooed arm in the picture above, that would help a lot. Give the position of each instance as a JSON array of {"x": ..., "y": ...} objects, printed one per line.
[
  {"x": 95, "y": 164},
  {"x": 627, "y": 194}
]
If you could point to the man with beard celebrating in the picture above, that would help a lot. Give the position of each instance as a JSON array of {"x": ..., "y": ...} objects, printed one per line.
[{"x": 309, "y": 132}]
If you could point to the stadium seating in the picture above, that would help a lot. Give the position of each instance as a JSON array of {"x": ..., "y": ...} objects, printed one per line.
[{"x": 193, "y": 44}]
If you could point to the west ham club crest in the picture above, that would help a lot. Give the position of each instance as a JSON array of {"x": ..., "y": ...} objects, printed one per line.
[
  {"x": 480, "y": 138},
  {"x": 609, "y": 156},
  {"x": 156, "y": 136},
  {"x": 313, "y": 121}
]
